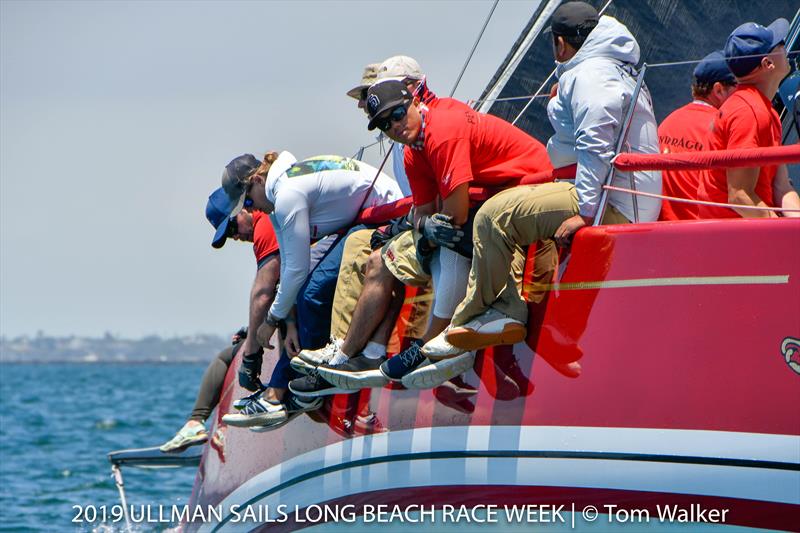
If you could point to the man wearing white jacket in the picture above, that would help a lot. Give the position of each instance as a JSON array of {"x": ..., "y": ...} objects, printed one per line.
[{"x": 596, "y": 59}]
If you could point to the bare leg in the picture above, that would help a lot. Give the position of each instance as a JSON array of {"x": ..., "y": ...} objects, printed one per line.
[
  {"x": 372, "y": 306},
  {"x": 436, "y": 326},
  {"x": 385, "y": 328},
  {"x": 274, "y": 394}
]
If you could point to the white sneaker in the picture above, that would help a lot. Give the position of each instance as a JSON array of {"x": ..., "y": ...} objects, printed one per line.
[
  {"x": 488, "y": 329},
  {"x": 438, "y": 348},
  {"x": 308, "y": 360},
  {"x": 436, "y": 373}
]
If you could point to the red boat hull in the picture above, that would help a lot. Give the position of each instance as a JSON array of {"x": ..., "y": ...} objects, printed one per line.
[{"x": 666, "y": 371}]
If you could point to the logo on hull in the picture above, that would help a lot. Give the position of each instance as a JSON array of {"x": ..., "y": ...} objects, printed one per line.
[{"x": 790, "y": 348}]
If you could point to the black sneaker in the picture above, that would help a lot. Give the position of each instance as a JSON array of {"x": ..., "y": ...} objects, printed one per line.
[
  {"x": 312, "y": 386},
  {"x": 404, "y": 362},
  {"x": 360, "y": 372}
]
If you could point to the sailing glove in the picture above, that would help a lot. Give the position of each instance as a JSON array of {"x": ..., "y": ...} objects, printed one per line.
[
  {"x": 439, "y": 229},
  {"x": 250, "y": 370}
]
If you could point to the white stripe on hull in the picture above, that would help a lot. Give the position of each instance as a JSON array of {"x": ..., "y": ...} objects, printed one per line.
[{"x": 763, "y": 484}]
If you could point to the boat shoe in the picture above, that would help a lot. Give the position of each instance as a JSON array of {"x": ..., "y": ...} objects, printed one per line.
[
  {"x": 188, "y": 435},
  {"x": 487, "y": 329},
  {"x": 437, "y": 372},
  {"x": 308, "y": 360},
  {"x": 438, "y": 347},
  {"x": 360, "y": 372}
]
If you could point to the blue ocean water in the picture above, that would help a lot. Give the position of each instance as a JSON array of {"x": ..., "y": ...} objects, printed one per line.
[{"x": 58, "y": 422}]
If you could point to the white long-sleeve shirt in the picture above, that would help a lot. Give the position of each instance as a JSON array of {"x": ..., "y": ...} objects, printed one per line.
[{"x": 314, "y": 198}]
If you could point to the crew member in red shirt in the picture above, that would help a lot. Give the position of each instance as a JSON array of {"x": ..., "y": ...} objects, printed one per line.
[
  {"x": 449, "y": 149},
  {"x": 757, "y": 57},
  {"x": 688, "y": 128}
]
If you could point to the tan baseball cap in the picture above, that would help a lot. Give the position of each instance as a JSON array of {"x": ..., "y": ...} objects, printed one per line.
[
  {"x": 400, "y": 68},
  {"x": 367, "y": 78}
]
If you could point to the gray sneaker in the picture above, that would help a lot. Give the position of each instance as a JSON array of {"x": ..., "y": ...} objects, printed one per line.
[
  {"x": 294, "y": 407},
  {"x": 436, "y": 373},
  {"x": 360, "y": 372}
]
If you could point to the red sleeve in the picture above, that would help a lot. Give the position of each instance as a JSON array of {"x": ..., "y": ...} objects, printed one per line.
[
  {"x": 264, "y": 241},
  {"x": 741, "y": 128},
  {"x": 451, "y": 164},
  {"x": 420, "y": 177}
]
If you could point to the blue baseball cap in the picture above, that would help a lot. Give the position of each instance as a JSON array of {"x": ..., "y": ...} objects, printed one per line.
[
  {"x": 218, "y": 212},
  {"x": 752, "y": 39},
  {"x": 713, "y": 68},
  {"x": 228, "y": 200}
]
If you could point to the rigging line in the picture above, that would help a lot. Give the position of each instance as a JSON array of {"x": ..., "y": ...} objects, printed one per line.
[
  {"x": 545, "y": 82},
  {"x": 474, "y": 46},
  {"x": 700, "y": 202},
  {"x": 692, "y": 61},
  {"x": 509, "y": 98}
]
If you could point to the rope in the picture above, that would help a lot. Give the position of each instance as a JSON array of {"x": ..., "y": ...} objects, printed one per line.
[
  {"x": 700, "y": 202},
  {"x": 474, "y": 46},
  {"x": 693, "y": 61}
]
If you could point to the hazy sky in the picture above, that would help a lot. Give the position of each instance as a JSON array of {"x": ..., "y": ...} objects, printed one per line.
[{"x": 117, "y": 119}]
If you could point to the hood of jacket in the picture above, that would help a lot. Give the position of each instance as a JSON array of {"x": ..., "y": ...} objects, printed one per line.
[{"x": 610, "y": 39}]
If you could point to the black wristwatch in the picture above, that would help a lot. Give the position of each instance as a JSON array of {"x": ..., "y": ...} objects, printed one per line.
[{"x": 275, "y": 322}]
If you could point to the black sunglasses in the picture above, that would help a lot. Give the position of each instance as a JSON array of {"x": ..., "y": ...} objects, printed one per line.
[
  {"x": 233, "y": 228},
  {"x": 363, "y": 95},
  {"x": 395, "y": 115}
]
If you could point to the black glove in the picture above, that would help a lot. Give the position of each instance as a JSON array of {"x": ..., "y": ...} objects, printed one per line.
[
  {"x": 438, "y": 229},
  {"x": 424, "y": 253},
  {"x": 396, "y": 226},
  {"x": 250, "y": 370}
]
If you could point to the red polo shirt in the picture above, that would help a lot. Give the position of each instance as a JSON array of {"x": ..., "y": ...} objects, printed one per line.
[
  {"x": 687, "y": 129},
  {"x": 264, "y": 241},
  {"x": 464, "y": 146},
  {"x": 745, "y": 120}
]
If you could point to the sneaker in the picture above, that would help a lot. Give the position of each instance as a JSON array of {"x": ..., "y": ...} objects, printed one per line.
[
  {"x": 188, "y": 435},
  {"x": 294, "y": 407},
  {"x": 404, "y": 362},
  {"x": 241, "y": 403},
  {"x": 258, "y": 412},
  {"x": 487, "y": 329},
  {"x": 312, "y": 386},
  {"x": 360, "y": 372},
  {"x": 308, "y": 360},
  {"x": 436, "y": 373},
  {"x": 439, "y": 348}
]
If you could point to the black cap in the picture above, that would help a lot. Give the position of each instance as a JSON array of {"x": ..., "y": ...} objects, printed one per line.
[
  {"x": 385, "y": 95},
  {"x": 574, "y": 19}
]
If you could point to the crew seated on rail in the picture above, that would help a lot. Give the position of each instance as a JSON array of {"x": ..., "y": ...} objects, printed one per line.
[
  {"x": 688, "y": 129},
  {"x": 757, "y": 57}
]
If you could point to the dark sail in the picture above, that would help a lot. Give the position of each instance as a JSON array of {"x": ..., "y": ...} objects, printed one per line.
[{"x": 667, "y": 30}]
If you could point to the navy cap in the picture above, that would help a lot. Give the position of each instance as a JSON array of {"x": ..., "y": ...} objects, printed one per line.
[
  {"x": 218, "y": 212},
  {"x": 385, "y": 95},
  {"x": 713, "y": 68},
  {"x": 751, "y": 39}
]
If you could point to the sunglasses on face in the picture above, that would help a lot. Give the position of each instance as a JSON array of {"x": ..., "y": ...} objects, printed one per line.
[
  {"x": 395, "y": 115},
  {"x": 233, "y": 228},
  {"x": 363, "y": 94}
]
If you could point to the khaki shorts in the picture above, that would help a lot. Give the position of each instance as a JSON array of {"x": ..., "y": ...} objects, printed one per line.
[{"x": 400, "y": 257}]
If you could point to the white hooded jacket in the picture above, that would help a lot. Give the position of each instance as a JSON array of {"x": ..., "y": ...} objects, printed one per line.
[{"x": 595, "y": 88}]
